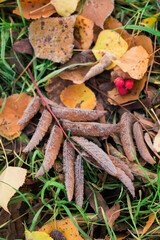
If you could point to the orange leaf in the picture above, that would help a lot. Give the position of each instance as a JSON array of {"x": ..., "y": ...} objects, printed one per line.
[
  {"x": 52, "y": 38},
  {"x": 84, "y": 31},
  {"x": 98, "y": 10},
  {"x": 35, "y": 9},
  {"x": 149, "y": 223},
  {"x": 78, "y": 96},
  {"x": 66, "y": 226},
  {"x": 11, "y": 113}
]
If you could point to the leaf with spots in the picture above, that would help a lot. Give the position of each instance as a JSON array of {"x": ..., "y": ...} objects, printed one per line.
[{"x": 52, "y": 38}]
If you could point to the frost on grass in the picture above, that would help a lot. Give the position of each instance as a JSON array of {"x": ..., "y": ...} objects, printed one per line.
[{"x": 79, "y": 181}]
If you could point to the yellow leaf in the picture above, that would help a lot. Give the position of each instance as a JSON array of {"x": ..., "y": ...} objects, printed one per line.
[
  {"x": 112, "y": 42},
  {"x": 12, "y": 111},
  {"x": 78, "y": 96},
  {"x": 13, "y": 176},
  {"x": 66, "y": 226},
  {"x": 36, "y": 235},
  {"x": 149, "y": 223},
  {"x": 134, "y": 62},
  {"x": 151, "y": 20},
  {"x": 64, "y": 7}
]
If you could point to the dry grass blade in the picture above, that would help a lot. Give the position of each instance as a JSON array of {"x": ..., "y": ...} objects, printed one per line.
[
  {"x": 31, "y": 110},
  {"x": 142, "y": 148},
  {"x": 68, "y": 168},
  {"x": 77, "y": 114},
  {"x": 90, "y": 129},
  {"x": 97, "y": 153},
  {"x": 41, "y": 129},
  {"x": 52, "y": 149},
  {"x": 126, "y": 136},
  {"x": 123, "y": 166},
  {"x": 79, "y": 181}
]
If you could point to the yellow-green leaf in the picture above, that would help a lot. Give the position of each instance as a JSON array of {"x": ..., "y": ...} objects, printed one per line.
[{"x": 36, "y": 235}]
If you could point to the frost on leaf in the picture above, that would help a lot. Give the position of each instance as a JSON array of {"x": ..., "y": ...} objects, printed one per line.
[
  {"x": 41, "y": 129},
  {"x": 97, "y": 153},
  {"x": 79, "y": 180},
  {"x": 52, "y": 149},
  {"x": 68, "y": 168}
]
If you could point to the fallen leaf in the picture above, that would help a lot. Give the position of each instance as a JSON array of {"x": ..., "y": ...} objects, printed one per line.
[
  {"x": 35, "y": 9},
  {"x": 52, "y": 38},
  {"x": 12, "y": 111},
  {"x": 11, "y": 179},
  {"x": 98, "y": 10},
  {"x": 112, "y": 214},
  {"x": 56, "y": 234},
  {"x": 64, "y": 7},
  {"x": 134, "y": 62},
  {"x": 66, "y": 226},
  {"x": 148, "y": 141},
  {"x": 79, "y": 181},
  {"x": 83, "y": 32},
  {"x": 156, "y": 142},
  {"x": 36, "y": 235},
  {"x": 150, "y": 21},
  {"x": 78, "y": 96},
  {"x": 111, "y": 42},
  {"x": 149, "y": 223},
  {"x": 133, "y": 94}
]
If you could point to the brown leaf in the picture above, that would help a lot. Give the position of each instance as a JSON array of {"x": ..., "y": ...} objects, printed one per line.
[
  {"x": 156, "y": 142},
  {"x": 68, "y": 168},
  {"x": 149, "y": 143},
  {"x": 52, "y": 149},
  {"x": 31, "y": 110},
  {"x": 90, "y": 128},
  {"x": 112, "y": 214},
  {"x": 79, "y": 181},
  {"x": 41, "y": 129},
  {"x": 52, "y": 38},
  {"x": 77, "y": 114},
  {"x": 57, "y": 235},
  {"x": 23, "y": 46},
  {"x": 98, "y": 10},
  {"x": 126, "y": 135},
  {"x": 97, "y": 153},
  {"x": 142, "y": 148}
]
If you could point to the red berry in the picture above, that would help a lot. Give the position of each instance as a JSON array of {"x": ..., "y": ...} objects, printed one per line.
[
  {"x": 128, "y": 84},
  {"x": 122, "y": 90},
  {"x": 119, "y": 82}
]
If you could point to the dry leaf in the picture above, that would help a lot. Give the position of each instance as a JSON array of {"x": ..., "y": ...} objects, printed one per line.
[
  {"x": 97, "y": 153},
  {"x": 83, "y": 31},
  {"x": 149, "y": 223},
  {"x": 35, "y": 9},
  {"x": 78, "y": 96},
  {"x": 134, "y": 62},
  {"x": 151, "y": 20},
  {"x": 64, "y": 7},
  {"x": 111, "y": 42},
  {"x": 36, "y": 235},
  {"x": 41, "y": 129},
  {"x": 156, "y": 142},
  {"x": 98, "y": 10},
  {"x": 77, "y": 114},
  {"x": 149, "y": 143},
  {"x": 52, "y": 38},
  {"x": 133, "y": 94},
  {"x": 79, "y": 181},
  {"x": 23, "y": 46},
  {"x": 11, "y": 178},
  {"x": 112, "y": 214},
  {"x": 126, "y": 136},
  {"x": 90, "y": 128},
  {"x": 68, "y": 168},
  {"x": 52, "y": 149},
  {"x": 66, "y": 226},
  {"x": 142, "y": 148},
  {"x": 12, "y": 111}
]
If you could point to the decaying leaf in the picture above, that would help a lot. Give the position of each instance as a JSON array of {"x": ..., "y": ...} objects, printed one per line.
[
  {"x": 111, "y": 42},
  {"x": 77, "y": 114},
  {"x": 90, "y": 128},
  {"x": 12, "y": 111},
  {"x": 98, "y": 10},
  {"x": 66, "y": 226},
  {"x": 126, "y": 136},
  {"x": 83, "y": 31},
  {"x": 35, "y": 9},
  {"x": 78, "y": 96},
  {"x": 23, "y": 46},
  {"x": 64, "y": 7},
  {"x": 36, "y": 235},
  {"x": 52, "y": 149},
  {"x": 156, "y": 142},
  {"x": 134, "y": 62},
  {"x": 112, "y": 214},
  {"x": 79, "y": 181},
  {"x": 52, "y": 38},
  {"x": 11, "y": 179},
  {"x": 57, "y": 235},
  {"x": 149, "y": 143},
  {"x": 41, "y": 129},
  {"x": 68, "y": 168},
  {"x": 142, "y": 148},
  {"x": 97, "y": 153}
]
